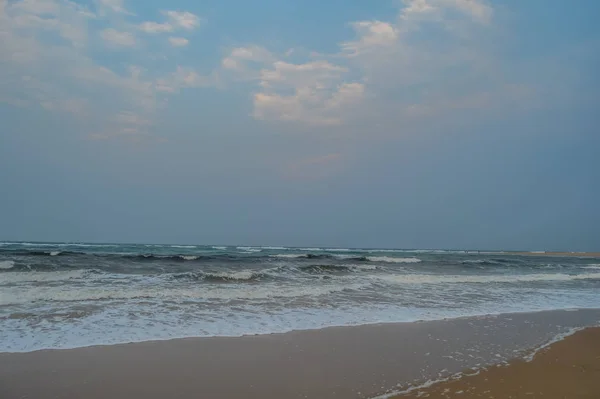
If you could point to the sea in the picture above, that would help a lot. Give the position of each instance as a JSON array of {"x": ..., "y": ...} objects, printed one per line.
[{"x": 68, "y": 295}]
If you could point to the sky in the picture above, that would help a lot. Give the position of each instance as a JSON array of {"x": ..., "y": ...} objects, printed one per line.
[{"x": 383, "y": 123}]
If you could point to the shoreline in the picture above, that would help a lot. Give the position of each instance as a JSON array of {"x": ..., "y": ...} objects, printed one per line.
[
  {"x": 336, "y": 362},
  {"x": 303, "y": 331},
  {"x": 308, "y": 330},
  {"x": 569, "y": 367}
]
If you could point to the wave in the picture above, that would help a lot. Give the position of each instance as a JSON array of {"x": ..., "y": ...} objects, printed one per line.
[
  {"x": 189, "y": 257},
  {"x": 219, "y": 248},
  {"x": 482, "y": 262},
  {"x": 16, "y": 295},
  {"x": 596, "y": 267},
  {"x": 325, "y": 269},
  {"x": 242, "y": 275},
  {"x": 40, "y": 253},
  {"x": 454, "y": 279},
  {"x": 249, "y": 249},
  {"x": 153, "y": 257},
  {"x": 37, "y": 276},
  {"x": 183, "y": 246},
  {"x": 387, "y": 259},
  {"x": 7, "y": 264}
]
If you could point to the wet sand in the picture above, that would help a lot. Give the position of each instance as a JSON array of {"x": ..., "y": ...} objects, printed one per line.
[
  {"x": 344, "y": 362},
  {"x": 567, "y": 369}
]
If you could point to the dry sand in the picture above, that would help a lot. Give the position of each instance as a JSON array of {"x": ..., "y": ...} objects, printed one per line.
[{"x": 567, "y": 369}]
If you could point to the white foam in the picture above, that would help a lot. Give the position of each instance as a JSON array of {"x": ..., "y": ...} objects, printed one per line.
[
  {"x": 54, "y": 253},
  {"x": 482, "y": 279},
  {"x": 275, "y": 248},
  {"x": 240, "y": 275},
  {"x": 220, "y": 248},
  {"x": 288, "y": 256},
  {"x": 249, "y": 249},
  {"x": 189, "y": 257},
  {"x": 596, "y": 267},
  {"x": 388, "y": 259},
  {"x": 310, "y": 249},
  {"x": 557, "y": 338},
  {"x": 341, "y": 250},
  {"x": 7, "y": 264},
  {"x": 142, "y": 289},
  {"x": 183, "y": 246},
  {"x": 29, "y": 277}
]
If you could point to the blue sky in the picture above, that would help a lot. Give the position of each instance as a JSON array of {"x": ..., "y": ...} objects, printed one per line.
[{"x": 385, "y": 123}]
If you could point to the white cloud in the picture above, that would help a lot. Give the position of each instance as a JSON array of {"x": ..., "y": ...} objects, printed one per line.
[
  {"x": 284, "y": 74},
  {"x": 478, "y": 10},
  {"x": 46, "y": 63},
  {"x": 175, "y": 20},
  {"x": 184, "y": 77},
  {"x": 183, "y": 19},
  {"x": 372, "y": 34},
  {"x": 318, "y": 95},
  {"x": 68, "y": 20},
  {"x": 240, "y": 57},
  {"x": 115, "y": 38},
  {"x": 178, "y": 41},
  {"x": 155, "y": 27},
  {"x": 115, "y": 6}
]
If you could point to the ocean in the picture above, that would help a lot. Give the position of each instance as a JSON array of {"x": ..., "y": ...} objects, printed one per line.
[{"x": 67, "y": 295}]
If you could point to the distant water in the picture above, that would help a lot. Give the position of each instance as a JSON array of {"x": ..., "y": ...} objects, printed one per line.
[{"x": 71, "y": 295}]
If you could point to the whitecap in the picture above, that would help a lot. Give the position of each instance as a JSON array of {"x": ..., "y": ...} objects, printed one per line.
[
  {"x": 188, "y": 257},
  {"x": 288, "y": 256},
  {"x": 249, "y": 249},
  {"x": 480, "y": 279},
  {"x": 593, "y": 266},
  {"x": 388, "y": 259},
  {"x": 27, "y": 277},
  {"x": 7, "y": 264}
]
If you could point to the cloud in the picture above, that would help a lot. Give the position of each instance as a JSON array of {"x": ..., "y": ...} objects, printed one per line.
[
  {"x": 155, "y": 27},
  {"x": 115, "y": 6},
  {"x": 311, "y": 92},
  {"x": 68, "y": 20},
  {"x": 399, "y": 64},
  {"x": 477, "y": 10},
  {"x": 240, "y": 59},
  {"x": 178, "y": 41},
  {"x": 184, "y": 77},
  {"x": 318, "y": 97},
  {"x": 119, "y": 39},
  {"x": 48, "y": 62},
  {"x": 371, "y": 34},
  {"x": 183, "y": 19},
  {"x": 176, "y": 20}
]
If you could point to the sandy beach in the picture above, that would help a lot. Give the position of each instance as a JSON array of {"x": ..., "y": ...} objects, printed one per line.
[
  {"x": 345, "y": 362},
  {"x": 566, "y": 369}
]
